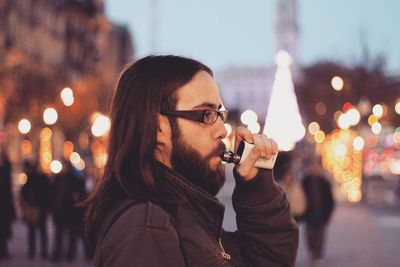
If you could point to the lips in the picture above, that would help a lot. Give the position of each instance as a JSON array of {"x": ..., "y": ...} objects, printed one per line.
[{"x": 217, "y": 151}]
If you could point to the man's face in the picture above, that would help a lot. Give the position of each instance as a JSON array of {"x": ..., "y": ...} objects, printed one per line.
[{"x": 196, "y": 147}]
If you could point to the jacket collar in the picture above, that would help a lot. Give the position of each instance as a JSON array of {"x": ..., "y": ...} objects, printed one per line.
[{"x": 207, "y": 208}]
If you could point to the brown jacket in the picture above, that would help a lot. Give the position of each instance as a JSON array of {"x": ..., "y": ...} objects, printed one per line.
[{"x": 146, "y": 234}]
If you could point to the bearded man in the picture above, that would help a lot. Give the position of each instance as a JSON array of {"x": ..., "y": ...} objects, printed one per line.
[{"x": 155, "y": 204}]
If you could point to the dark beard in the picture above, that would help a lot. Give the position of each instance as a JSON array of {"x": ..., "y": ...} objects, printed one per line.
[{"x": 196, "y": 169}]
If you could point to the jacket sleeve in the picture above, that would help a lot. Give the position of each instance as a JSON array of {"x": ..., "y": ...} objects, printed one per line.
[
  {"x": 267, "y": 234},
  {"x": 154, "y": 243}
]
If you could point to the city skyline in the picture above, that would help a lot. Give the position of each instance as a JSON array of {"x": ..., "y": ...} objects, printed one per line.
[{"x": 211, "y": 31}]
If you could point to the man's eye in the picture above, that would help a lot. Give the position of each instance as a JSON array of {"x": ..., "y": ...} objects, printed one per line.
[{"x": 208, "y": 114}]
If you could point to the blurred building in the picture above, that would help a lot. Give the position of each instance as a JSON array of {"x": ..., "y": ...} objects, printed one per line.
[
  {"x": 250, "y": 87},
  {"x": 45, "y": 46},
  {"x": 67, "y": 35},
  {"x": 247, "y": 88}
]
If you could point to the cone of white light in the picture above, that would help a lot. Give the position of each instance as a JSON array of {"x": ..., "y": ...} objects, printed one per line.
[{"x": 283, "y": 122}]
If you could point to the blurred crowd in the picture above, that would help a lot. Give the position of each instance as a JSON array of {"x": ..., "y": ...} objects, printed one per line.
[{"x": 56, "y": 197}]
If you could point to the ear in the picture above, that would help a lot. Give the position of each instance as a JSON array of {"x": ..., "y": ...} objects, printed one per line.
[
  {"x": 164, "y": 143},
  {"x": 163, "y": 130}
]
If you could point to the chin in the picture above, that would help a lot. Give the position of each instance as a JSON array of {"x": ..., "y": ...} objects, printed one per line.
[{"x": 215, "y": 163}]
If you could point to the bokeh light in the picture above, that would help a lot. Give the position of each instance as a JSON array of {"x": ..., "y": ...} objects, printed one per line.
[
  {"x": 397, "y": 107},
  {"x": 26, "y": 148},
  {"x": 50, "y": 116},
  {"x": 377, "y": 110},
  {"x": 376, "y": 128},
  {"x": 74, "y": 158},
  {"x": 320, "y": 108},
  {"x": 100, "y": 126},
  {"x": 358, "y": 143},
  {"x": 68, "y": 149},
  {"x": 248, "y": 117},
  {"x": 343, "y": 121},
  {"x": 337, "y": 115},
  {"x": 313, "y": 127},
  {"x": 396, "y": 137},
  {"x": 354, "y": 196},
  {"x": 55, "y": 166},
  {"x": 67, "y": 96},
  {"x": 24, "y": 126},
  {"x": 254, "y": 127},
  {"x": 337, "y": 83},
  {"x": 353, "y": 116},
  {"x": 22, "y": 178},
  {"x": 319, "y": 137},
  {"x": 80, "y": 166},
  {"x": 347, "y": 106},
  {"x": 372, "y": 119}
]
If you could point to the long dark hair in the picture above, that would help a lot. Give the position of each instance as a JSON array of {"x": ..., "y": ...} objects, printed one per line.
[{"x": 143, "y": 89}]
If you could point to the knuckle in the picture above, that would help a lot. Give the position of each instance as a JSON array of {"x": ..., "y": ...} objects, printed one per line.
[{"x": 258, "y": 148}]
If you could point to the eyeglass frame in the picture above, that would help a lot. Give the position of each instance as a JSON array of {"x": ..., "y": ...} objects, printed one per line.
[{"x": 198, "y": 115}]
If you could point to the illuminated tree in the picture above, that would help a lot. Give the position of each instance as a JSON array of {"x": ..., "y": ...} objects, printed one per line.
[{"x": 283, "y": 122}]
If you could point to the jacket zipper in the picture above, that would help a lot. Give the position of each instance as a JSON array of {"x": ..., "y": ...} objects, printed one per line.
[{"x": 223, "y": 253}]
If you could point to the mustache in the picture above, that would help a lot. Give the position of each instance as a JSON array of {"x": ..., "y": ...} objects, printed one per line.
[{"x": 221, "y": 147}]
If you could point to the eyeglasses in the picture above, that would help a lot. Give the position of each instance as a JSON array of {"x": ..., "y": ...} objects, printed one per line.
[{"x": 207, "y": 116}]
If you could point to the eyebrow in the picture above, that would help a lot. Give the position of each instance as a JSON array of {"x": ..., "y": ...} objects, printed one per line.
[{"x": 210, "y": 105}]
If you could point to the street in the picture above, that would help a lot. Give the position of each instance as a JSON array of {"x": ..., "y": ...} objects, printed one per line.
[{"x": 358, "y": 236}]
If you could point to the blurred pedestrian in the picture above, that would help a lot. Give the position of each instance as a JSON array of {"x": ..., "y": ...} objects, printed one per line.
[
  {"x": 295, "y": 195},
  {"x": 68, "y": 190},
  {"x": 283, "y": 171},
  {"x": 7, "y": 210},
  {"x": 34, "y": 202},
  {"x": 320, "y": 205}
]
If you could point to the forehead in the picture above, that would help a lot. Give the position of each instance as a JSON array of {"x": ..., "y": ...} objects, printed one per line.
[{"x": 201, "y": 91}]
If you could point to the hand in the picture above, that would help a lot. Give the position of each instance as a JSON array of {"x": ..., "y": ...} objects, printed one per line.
[{"x": 264, "y": 147}]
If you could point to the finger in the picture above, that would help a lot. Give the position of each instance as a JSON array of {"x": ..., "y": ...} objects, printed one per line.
[
  {"x": 275, "y": 148},
  {"x": 260, "y": 145},
  {"x": 242, "y": 133},
  {"x": 257, "y": 152},
  {"x": 268, "y": 146}
]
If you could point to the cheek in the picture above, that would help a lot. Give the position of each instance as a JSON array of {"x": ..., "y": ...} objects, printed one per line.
[{"x": 198, "y": 139}]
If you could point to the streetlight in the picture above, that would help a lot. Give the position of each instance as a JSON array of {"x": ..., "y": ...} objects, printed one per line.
[
  {"x": 50, "y": 116},
  {"x": 377, "y": 110},
  {"x": 354, "y": 116},
  {"x": 101, "y": 125},
  {"x": 313, "y": 127},
  {"x": 67, "y": 96},
  {"x": 376, "y": 128},
  {"x": 254, "y": 127},
  {"x": 337, "y": 83},
  {"x": 55, "y": 166},
  {"x": 248, "y": 117},
  {"x": 358, "y": 143},
  {"x": 24, "y": 126},
  {"x": 343, "y": 121},
  {"x": 319, "y": 137},
  {"x": 397, "y": 107}
]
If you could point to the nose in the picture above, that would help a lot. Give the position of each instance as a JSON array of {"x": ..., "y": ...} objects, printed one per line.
[{"x": 221, "y": 131}]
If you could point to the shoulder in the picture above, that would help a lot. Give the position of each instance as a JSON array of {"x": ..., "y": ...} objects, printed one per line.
[
  {"x": 141, "y": 233},
  {"x": 138, "y": 217},
  {"x": 129, "y": 223},
  {"x": 146, "y": 214}
]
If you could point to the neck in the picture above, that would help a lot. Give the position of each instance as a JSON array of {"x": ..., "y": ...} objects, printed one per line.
[{"x": 163, "y": 158}]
